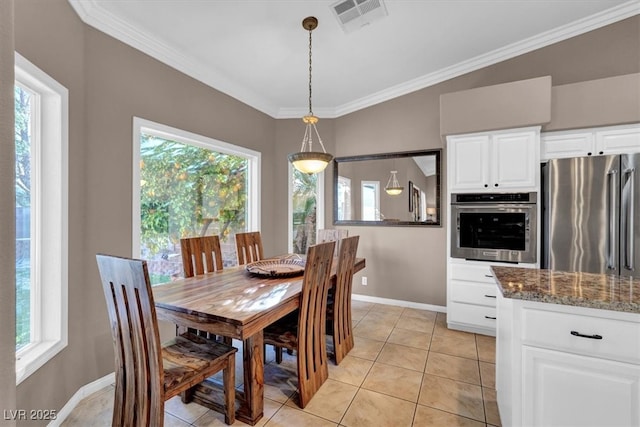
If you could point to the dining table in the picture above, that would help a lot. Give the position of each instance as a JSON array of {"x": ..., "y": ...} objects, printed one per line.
[{"x": 235, "y": 303}]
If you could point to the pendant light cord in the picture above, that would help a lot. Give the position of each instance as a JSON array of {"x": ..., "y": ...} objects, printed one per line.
[{"x": 310, "y": 109}]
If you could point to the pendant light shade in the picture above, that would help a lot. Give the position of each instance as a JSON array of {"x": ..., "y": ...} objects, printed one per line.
[
  {"x": 393, "y": 187},
  {"x": 307, "y": 160}
]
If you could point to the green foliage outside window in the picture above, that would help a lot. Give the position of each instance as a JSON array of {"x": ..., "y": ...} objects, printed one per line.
[
  {"x": 304, "y": 211},
  {"x": 187, "y": 191},
  {"x": 23, "y": 215}
]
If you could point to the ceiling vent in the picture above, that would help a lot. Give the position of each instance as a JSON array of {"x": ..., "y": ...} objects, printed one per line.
[{"x": 355, "y": 14}]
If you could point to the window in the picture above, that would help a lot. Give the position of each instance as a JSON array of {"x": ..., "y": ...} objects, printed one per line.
[
  {"x": 306, "y": 209},
  {"x": 189, "y": 185},
  {"x": 41, "y": 129},
  {"x": 344, "y": 198},
  {"x": 371, "y": 201}
]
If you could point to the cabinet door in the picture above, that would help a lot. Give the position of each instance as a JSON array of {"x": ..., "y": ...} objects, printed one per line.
[
  {"x": 513, "y": 160},
  {"x": 563, "y": 145},
  {"x": 617, "y": 141},
  {"x": 562, "y": 389},
  {"x": 469, "y": 158}
]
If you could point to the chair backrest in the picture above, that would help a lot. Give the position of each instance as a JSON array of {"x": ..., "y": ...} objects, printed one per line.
[
  {"x": 312, "y": 351},
  {"x": 342, "y": 325},
  {"x": 249, "y": 247},
  {"x": 138, "y": 352},
  {"x": 200, "y": 255},
  {"x": 331, "y": 235}
]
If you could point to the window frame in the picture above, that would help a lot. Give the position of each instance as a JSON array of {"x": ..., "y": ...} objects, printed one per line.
[
  {"x": 50, "y": 193},
  {"x": 149, "y": 127},
  {"x": 319, "y": 204}
]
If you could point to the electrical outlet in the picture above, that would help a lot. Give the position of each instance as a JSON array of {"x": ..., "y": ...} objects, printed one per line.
[{"x": 364, "y": 280}]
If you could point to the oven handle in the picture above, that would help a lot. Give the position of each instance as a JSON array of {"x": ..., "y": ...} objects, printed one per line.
[{"x": 490, "y": 206}]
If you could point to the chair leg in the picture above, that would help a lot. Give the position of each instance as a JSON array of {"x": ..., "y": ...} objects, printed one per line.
[
  {"x": 278, "y": 351},
  {"x": 228, "y": 376},
  {"x": 187, "y": 395}
]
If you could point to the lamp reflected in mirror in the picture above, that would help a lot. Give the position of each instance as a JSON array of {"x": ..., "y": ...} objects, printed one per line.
[{"x": 393, "y": 187}]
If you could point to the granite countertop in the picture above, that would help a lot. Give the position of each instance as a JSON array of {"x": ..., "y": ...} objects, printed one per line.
[{"x": 590, "y": 290}]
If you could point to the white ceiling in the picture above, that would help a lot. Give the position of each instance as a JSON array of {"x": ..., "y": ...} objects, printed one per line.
[{"x": 257, "y": 51}]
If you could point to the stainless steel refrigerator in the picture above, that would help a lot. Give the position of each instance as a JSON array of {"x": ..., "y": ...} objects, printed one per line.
[{"x": 591, "y": 214}]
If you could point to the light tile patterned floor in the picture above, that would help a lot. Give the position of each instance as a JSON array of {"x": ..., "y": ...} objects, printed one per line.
[{"x": 407, "y": 369}]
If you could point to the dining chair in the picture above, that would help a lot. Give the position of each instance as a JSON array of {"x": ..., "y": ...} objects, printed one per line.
[
  {"x": 249, "y": 247},
  {"x": 330, "y": 235},
  {"x": 339, "y": 323},
  {"x": 200, "y": 255},
  {"x": 305, "y": 332},
  {"x": 147, "y": 372}
]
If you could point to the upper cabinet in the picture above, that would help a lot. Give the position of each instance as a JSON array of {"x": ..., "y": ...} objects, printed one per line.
[
  {"x": 590, "y": 142},
  {"x": 494, "y": 161}
]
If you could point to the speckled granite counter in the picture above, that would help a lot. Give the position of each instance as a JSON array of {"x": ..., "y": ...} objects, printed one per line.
[{"x": 579, "y": 289}]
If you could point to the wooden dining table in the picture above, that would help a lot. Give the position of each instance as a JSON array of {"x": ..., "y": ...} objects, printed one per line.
[{"x": 234, "y": 303}]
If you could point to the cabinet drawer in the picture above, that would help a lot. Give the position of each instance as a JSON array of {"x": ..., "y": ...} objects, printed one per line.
[
  {"x": 476, "y": 315},
  {"x": 474, "y": 293},
  {"x": 620, "y": 339},
  {"x": 472, "y": 273}
]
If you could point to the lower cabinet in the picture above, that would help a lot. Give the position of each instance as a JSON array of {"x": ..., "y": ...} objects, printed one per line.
[
  {"x": 564, "y": 389},
  {"x": 566, "y": 366},
  {"x": 471, "y": 296}
]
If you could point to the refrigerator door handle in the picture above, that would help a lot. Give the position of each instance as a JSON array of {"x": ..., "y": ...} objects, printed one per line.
[
  {"x": 612, "y": 215},
  {"x": 628, "y": 212}
]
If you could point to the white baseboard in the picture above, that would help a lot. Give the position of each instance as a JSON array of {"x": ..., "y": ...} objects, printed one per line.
[
  {"x": 400, "y": 303},
  {"x": 83, "y": 392}
]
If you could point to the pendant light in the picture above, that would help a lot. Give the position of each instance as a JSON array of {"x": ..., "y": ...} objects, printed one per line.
[
  {"x": 307, "y": 160},
  {"x": 393, "y": 187}
]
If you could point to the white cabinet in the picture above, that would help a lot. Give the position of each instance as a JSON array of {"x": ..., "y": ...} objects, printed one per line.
[
  {"x": 590, "y": 142},
  {"x": 494, "y": 161},
  {"x": 564, "y": 389},
  {"x": 471, "y": 296},
  {"x": 574, "y": 366}
]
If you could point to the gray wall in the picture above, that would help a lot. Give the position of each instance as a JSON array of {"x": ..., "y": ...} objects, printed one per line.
[
  {"x": 109, "y": 83},
  {"x": 7, "y": 221}
]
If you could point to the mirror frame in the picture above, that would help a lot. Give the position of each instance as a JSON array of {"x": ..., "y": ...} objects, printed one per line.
[{"x": 384, "y": 156}]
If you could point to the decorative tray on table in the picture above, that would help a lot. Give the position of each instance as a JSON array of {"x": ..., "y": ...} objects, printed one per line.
[{"x": 292, "y": 265}]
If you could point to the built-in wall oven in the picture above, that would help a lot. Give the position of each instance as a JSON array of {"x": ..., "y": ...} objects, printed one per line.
[{"x": 494, "y": 226}]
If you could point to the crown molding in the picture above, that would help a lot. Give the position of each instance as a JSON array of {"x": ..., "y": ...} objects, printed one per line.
[
  {"x": 92, "y": 14},
  {"x": 576, "y": 28}
]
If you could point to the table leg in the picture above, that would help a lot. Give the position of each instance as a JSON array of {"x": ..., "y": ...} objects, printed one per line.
[{"x": 252, "y": 408}]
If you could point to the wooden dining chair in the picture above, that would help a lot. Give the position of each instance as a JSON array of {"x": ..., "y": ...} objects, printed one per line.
[
  {"x": 147, "y": 372},
  {"x": 200, "y": 255},
  {"x": 249, "y": 247},
  {"x": 332, "y": 235},
  {"x": 305, "y": 332},
  {"x": 339, "y": 323}
]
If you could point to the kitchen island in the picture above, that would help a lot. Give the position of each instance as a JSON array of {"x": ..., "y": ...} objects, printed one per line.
[{"x": 568, "y": 348}]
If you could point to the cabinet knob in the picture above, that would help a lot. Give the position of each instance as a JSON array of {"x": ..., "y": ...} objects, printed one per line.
[
  {"x": 601, "y": 152},
  {"x": 495, "y": 185},
  {"x": 486, "y": 185},
  {"x": 490, "y": 317},
  {"x": 589, "y": 153}
]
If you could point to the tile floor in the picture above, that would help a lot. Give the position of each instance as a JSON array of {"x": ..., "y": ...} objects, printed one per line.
[{"x": 406, "y": 369}]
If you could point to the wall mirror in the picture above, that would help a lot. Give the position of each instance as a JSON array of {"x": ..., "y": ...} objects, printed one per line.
[{"x": 359, "y": 183}]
